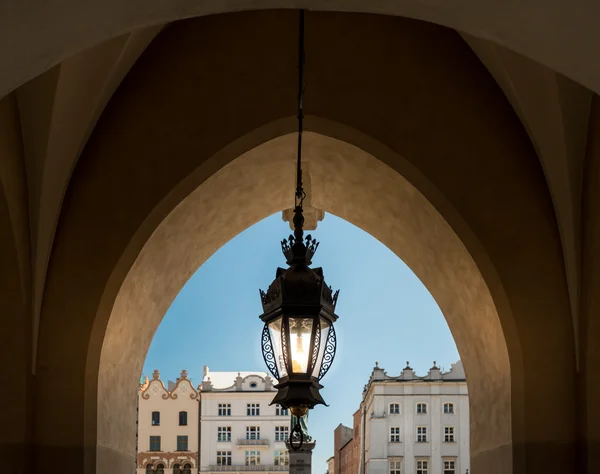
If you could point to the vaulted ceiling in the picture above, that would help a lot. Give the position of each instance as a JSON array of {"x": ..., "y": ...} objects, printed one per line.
[{"x": 62, "y": 76}]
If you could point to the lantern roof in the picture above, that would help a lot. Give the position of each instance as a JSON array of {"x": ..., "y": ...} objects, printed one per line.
[{"x": 299, "y": 288}]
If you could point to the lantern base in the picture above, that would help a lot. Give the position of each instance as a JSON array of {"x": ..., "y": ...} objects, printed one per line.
[
  {"x": 299, "y": 411},
  {"x": 298, "y": 395}
]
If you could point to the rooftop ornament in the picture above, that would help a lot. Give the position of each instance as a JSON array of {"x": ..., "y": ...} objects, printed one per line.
[{"x": 298, "y": 339}]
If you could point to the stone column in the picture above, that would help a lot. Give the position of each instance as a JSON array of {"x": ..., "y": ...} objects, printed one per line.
[{"x": 301, "y": 460}]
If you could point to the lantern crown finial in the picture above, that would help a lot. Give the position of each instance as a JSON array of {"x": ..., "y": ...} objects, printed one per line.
[{"x": 299, "y": 250}]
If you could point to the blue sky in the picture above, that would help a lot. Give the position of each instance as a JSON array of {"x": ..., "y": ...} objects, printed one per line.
[{"x": 386, "y": 315}]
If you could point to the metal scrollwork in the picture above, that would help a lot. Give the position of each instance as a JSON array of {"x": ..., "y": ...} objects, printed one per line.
[
  {"x": 329, "y": 353},
  {"x": 315, "y": 353},
  {"x": 268, "y": 352}
]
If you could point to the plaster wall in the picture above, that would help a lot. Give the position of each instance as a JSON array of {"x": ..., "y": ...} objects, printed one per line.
[{"x": 15, "y": 323}]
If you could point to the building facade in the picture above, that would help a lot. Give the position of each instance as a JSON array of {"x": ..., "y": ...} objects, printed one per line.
[
  {"x": 223, "y": 425},
  {"x": 330, "y": 465},
  {"x": 167, "y": 440},
  {"x": 347, "y": 446},
  {"x": 239, "y": 430},
  {"x": 408, "y": 424}
]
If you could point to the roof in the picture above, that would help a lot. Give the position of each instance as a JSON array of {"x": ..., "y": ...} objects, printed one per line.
[
  {"x": 221, "y": 380},
  {"x": 408, "y": 375}
]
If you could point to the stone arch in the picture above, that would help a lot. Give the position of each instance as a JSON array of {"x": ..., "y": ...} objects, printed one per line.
[
  {"x": 466, "y": 143},
  {"x": 343, "y": 176}
]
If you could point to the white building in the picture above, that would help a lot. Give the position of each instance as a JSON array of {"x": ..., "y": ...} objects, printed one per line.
[
  {"x": 416, "y": 425},
  {"x": 239, "y": 430},
  {"x": 223, "y": 425}
]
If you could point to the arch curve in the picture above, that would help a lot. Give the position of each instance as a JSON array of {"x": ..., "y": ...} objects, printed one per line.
[{"x": 344, "y": 178}]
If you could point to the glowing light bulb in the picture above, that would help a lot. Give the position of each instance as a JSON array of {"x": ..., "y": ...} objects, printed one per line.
[
  {"x": 299, "y": 346},
  {"x": 299, "y": 358}
]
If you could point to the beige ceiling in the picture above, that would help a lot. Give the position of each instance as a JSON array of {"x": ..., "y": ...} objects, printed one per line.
[
  {"x": 562, "y": 35},
  {"x": 84, "y": 50}
]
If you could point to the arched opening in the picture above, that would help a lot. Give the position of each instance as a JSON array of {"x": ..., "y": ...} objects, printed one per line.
[
  {"x": 400, "y": 218},
  {"x": 386, "y": 315},
  {"x": 475, "y": 223}
]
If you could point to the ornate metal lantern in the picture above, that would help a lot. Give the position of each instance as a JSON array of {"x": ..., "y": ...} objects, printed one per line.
[{"x": 298, "y": 340}]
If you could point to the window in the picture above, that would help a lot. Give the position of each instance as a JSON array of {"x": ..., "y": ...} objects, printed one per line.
[
  {"x": 186, "y": 469},
  {"x": 282, "y": 433},
  {"x": 281, "y": 458},
  {"x": 448, "y": 408},
  {"x": 155, "y": 418},
  {"x": 279, "y": 411},
  {"x": 421, "y": 408},
  {"x": 394, "y": 409},
  {"x": 183, "y": 418},
  {"x": 395, "y": 434},
  {"x": 253, "y": 385},
  {"x": 449, "y": 466},
  {"x": 422, "y": 467},
  {"x": 154, "y": 443},
  {"x": 448, "y": 434},
  {"x": 253, "y": 409},
  {"x": 224, "y": 409},
  {"x": 421, "y": 434},
  {"x": 224, "y": 433},
  {"x": 252, "y": 458},
  {"x": 223, "y": 458},
  {"x": 149, "y": 469},
  {"x": 160, "y": 469},
  {"x": 182, "y": 443},
  {"x": 396, "y": 467},
  {"x": 252, "y": 432}
]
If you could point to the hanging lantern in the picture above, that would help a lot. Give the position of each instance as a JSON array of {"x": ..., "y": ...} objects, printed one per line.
[{"x": 298, "y": 340}]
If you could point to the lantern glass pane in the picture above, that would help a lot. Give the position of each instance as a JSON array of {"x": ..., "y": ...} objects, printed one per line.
[
  {"x": 300, "y": 333},
  {"x": 324, "y": 327},
  {"x": 275, "y": 331}
]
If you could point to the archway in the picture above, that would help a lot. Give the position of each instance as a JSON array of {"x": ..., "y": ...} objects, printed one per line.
[
  {"x": 350, "y": 183},
  {"x": 471, "y": 145}
]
